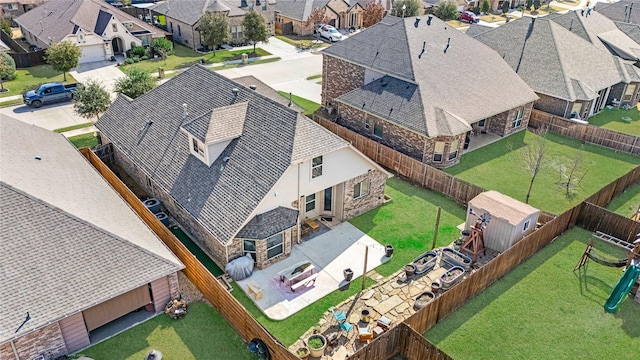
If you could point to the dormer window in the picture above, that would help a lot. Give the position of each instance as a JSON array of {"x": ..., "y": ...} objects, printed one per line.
[
  {"x": 316, "y": 167},
  {"x": 198, "y": 147},
  {"x": 114, "y": 27}
]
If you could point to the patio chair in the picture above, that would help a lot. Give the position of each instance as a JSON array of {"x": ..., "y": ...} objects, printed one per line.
[
  {"x": 341, "y": 318},
  {"x": 364, "y": 334}
]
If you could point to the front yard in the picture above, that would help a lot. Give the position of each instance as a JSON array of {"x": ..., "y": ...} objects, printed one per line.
[
  {"x": 27, "y": 79},
  {"x": 202, "y": 334},
  {"x": 500, "y": 166},
  {"x": 612, "y": 120},
  {"x": 544, "y": 310}
]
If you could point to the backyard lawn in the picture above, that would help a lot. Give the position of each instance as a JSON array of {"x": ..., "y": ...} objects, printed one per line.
[
  {"x": 27, "y": 79},
  {"x": 544, "y": 310},
  {"x": 185, "y": 57},
  {"x": 309, "y": 106},
  {"x": 626, "y": 203},
  {"x": 499, "y": 166},
  {"x": 84, "y": 141},
  {"x": 612, "y": 120},
  {"x": 202, "y": 334}
]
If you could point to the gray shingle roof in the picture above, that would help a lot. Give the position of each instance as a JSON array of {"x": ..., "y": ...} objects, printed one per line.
[
  {"x": 552, "y": 60},
  {"x": 269, "y": 223},
  {"x": 631, "y": 30},
  {"x": 191, "y": 11},
  {"x": 60, "y": 17},
  {"x": 266, "y": 90},
  {"x": 221, "y": 197},
  {"x": 476, "y": 29},
  {"x": 616, "y": 11},
  {"x": 219, "y": 124},
  {"x": 298, "y": 9},
  {"x": 432, "y": 86},
  {"x": 65, "y": 247}
]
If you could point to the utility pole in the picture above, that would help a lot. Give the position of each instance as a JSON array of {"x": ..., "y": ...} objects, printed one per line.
[
  {"x": 435, "y": 235},
  {"x": 364, "y": 272}
]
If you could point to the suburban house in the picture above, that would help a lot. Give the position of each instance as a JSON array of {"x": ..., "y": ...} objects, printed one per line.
[
  {"x": 574, "y": 78},
  {"x": 75, "y": 255},
  {"x": 240, "y": 171},
  {"x": 14, "y": 8},
  {"x": 100, "y": 30},
  {"x": 181, "y": 18},
  {"x": 382, "y": 83},
  {"x": 341, "y": 14}
]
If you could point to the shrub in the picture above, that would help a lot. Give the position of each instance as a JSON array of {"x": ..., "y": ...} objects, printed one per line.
[
  {"x": 162, "y": 47},
  {"x": 6, "y": 26},
  {"x": 139, "y": 51},
  {"x": 144, "y": 57},
  {"x": 136, "y": 59},
  {"x": 129, "y": 61},
  {"x": 7, "y": 67}
]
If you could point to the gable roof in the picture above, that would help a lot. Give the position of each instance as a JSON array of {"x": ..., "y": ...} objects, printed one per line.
[
  {"x": 219, "y": 124},
  {"x": 69, "y": 234},
  {"x": 553, "y": 60},
  {"x": 503, "y": 206},
  {"x": 618, "y": 11},
  {"x": 269, "y": 223},
  {"x": 54, "y": 20},
  {"x": 222, "y": 197},
  {"x": 631, "y": 30},
  {"x": 442, "y": 102},
  {"x": 191, "y": 11},
  {"x": 298, "y": 9}
]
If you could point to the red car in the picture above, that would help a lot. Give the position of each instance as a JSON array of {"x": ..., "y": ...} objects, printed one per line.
[{"x": 469, "y": 17}]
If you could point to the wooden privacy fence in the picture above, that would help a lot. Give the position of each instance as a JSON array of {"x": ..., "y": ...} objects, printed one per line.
[
  {"x": 243, "y": 323},
  {"x": 594, "y": 218},
  {"x": 400, "y": 340},
  {"x": 588, "y": 133},
  {"x": 604, "y": 196},
  {"x": 418, "y": 172}
]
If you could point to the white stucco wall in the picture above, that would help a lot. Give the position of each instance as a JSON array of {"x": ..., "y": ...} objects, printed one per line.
[{"x": 121, "y": 32}]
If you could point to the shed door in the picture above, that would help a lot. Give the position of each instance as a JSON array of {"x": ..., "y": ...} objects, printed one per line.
[{"x": 112, "y": 309}]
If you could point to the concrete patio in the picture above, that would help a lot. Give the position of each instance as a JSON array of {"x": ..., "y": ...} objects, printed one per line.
[{"x": 330, "y": 253}]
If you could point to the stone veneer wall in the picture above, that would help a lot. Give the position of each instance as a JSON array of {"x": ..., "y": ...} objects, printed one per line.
[
  {"x": 429, "y": 147},
  {"x": 375, "y": 197},
  {"x": 43, "y": 341},
  {"x": 345, "y": 77},
  {"x": 236, "y": 249}
]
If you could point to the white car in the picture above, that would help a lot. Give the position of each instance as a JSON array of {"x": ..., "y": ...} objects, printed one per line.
[{"x": 330, "y": 33}]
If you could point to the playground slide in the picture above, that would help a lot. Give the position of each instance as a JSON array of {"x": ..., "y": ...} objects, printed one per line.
[{"x": 623, "y": 287}]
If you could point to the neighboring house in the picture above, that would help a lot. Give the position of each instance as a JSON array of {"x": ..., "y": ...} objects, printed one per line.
[
  {"x": 181, "y": 18},
  {"x": 75, "y": 256},
  {"x": 415, "y": 85},
  {"x": 4, "y": 47},
  {"x": 15, "y": 8},
  {"x": 341, "y": 14},
  {"x": 99, "y": 29},
  {"x": 238, "y": 170},
  {"x": 572, "y": 76}
]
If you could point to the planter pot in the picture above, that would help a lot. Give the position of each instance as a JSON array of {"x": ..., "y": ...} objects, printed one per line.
[
  {"x": 348, "y": 274},
  {"x": 318, "y": 351},
  {"x": 435, "y": 287},
  {"x": 423, "y": 299},
  {"x": 303, "y": 353},
  {"x": 388, "y": 251},
  {"x": 425, "y": 262},
  {"x": 451, "y": 277},
  {"x": 451, "y": 258},
  {"x": 365, "y": 316},
  {"x": 409, "y": 269}
]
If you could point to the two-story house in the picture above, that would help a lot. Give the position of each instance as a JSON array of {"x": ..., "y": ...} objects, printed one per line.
[
  {"x": 100, "y": 30},
  {"x": 341, "y": 14},
  {"x": 239, "y": 170},
  {"x": 420, "y": 86}
]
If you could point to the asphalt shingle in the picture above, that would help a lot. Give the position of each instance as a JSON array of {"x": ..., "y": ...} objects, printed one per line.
[{"x": 269, "y": 223}]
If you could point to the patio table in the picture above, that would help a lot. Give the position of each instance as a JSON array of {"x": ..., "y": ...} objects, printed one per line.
[{"x": 297, "y": 271}]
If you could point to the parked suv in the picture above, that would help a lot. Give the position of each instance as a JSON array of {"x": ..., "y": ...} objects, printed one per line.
[
  {"x": 329, "y": 32},
  {"x": 469, "y": 17}
]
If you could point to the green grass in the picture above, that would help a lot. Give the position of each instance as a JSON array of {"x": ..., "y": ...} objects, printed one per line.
[
  {"x": 500, "y": 166},
  {"x": 27, "y": 79},
  {"x": 73, "y": 127},
  {"x": 612, "y": 120},
  {"x": 197, "y": 252},
  {"x": 626, "y": 204},
  {"x": 313, "y": 77},
  {"x": 185, "y": 57},
  {"x": 202, "y": 334},
  {"x": 408, "y": 222},
  {"x": 544, "y": 310},
  {"x": 84, "y": 141},
  {"x": 309, "y": 106},
  {"x": 304, "y": 43},
  {"x": 11, "y": 102}
]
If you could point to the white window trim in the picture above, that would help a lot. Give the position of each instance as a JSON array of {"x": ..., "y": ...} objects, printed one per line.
[
  {"x": 255, "y": 245},
  {"x": 378, "y": 125},
  {"x": 307, "y": 202},
  {"x": 526, "y": 226},
  {"x": 436, "y": 152},
  {"x": 453, "y": 150},
  {"x": 517, "y": 120},
  {"x": 361, "y": 194},
  {"x": 273, "y": 247},
  {"x": 318, "y": 166}
]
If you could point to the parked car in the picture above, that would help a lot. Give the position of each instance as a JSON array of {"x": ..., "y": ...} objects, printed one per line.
[
  {"x": 469, "y": 17},
  {"x": 329, "y": 32},
  {"x": 49, "y": 93}
]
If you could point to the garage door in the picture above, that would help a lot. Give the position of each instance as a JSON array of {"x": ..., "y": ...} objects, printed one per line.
[
  {"x": 92, "y": 53},
  {"x": 118, "y": 306}
]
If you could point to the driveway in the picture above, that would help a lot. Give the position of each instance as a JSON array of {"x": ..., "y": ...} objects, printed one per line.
[
  {"x": 106, "y": 72},
  {"x": 50, "y": 117}
]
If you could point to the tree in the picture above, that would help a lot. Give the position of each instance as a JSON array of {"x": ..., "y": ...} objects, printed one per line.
[
  {"x": 446, "y": 10},
  {"x": 372, "y": 14},
  {"x": 91, "y": 100},
  {"x": 6, "y": 26},
  {"x": 534, "y": 156},
  {"x": 536, "y": 5},
  {"x": 485, "y": 7},
  {"x": 7, "y": 67},
  {"x": 135, "y": 83},
  {"x": 255, "y": 28},
  {"x": 162, "y": 47},
  {"x": 318, "y": 16},
  {"x": 214, "y": 30},
  {"x": 572, "y": 175},
  {"x": 408, "y": 8},
  {"x": 63, "y": 56},
  {"x": 505, "y": 6},
  {"x": 529, "y": 4}
]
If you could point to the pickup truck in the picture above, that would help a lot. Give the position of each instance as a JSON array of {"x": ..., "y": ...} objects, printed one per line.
[{"x": 49, "y": 93}]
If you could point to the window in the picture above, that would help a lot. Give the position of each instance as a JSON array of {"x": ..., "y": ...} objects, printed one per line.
[
  {"x": 250, "y": 248},
  {"x": 377, "y": 130},
  {"x": 354, "y": 18},
  {"x": 80, "y": 37},
  {"x": 198, "y": 147},
  {"x": 526, "y": 225},
  {"x": 453, "y": 150},
  {"x": 628, "y": 92},
  {"x": 12, "y": 6},
  {"x": 114, "y": 27},
  {"x": 310, "y": 203},
  {"x": 366, "y": 124},
  {"x": 170, "y": 27},
  {"x": 481, "y": 122},
  {"x": 517, "y": 119},
  {"x": 316, "y": 167},
  {"x": 361, "y": 189},
  {"x": 274, "y": 246},
  {"x": 438, "y": 150},
  {"x": 236, "y": 32},
  {"x": 179, "y": 30}
]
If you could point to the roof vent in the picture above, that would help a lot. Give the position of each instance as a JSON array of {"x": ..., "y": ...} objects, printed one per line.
[
  {"x": 363, "y": 104},
  {"x": 383, "y": 83},
  {"x": 38, "y": 157},
  {"x": 225, "y": 159},
  {"x": 417, "y": 22},
  {"x": 424, "y": 43},
  {"x": 448, "y": 43},
  {"x": 184, "y": 111},
  {"x": 571, "y": 25},
  {"x": 429, "y": 20},
  {"x": 390, "y": 111},
  {"x": 253, "y": 87},
  {"x": 235, "y": 94}
]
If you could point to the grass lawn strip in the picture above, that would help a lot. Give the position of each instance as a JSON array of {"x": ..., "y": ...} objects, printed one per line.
[
  {"x": 73, "y": 127},
  {"x": 84, "y": 141},
  {"x": 500, "y": 166},
  {"x": 543, "y": 310},
  {"x": 27, "y": 79},
  {"x": 612, "y": 120},
  {"x": 202, "y": 334},
  {"x": 309, "y": 106},
  {"x": 626, "y": 204}
]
